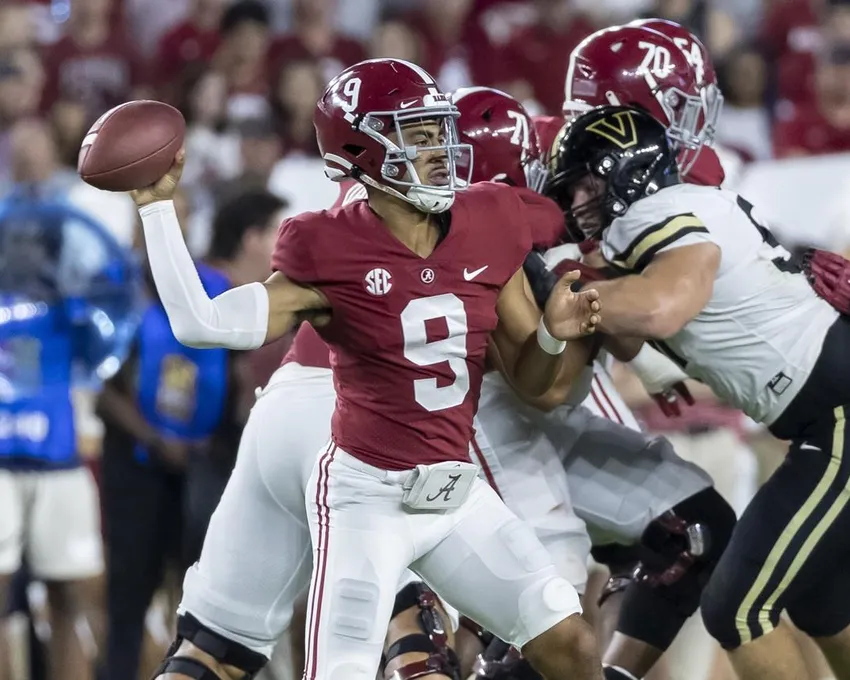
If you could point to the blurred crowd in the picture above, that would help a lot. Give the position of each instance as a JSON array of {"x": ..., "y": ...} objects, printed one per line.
[{"x": 246, "y": 74}]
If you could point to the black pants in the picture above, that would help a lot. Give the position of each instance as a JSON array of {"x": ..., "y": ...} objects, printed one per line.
[
  {"x": 143, "y": 517},
  {"x": 791, "y": 547}
]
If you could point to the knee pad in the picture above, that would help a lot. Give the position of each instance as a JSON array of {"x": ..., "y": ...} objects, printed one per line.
[
  {"x": 432, "y": 641},
  {"x": 501, "y": 661},
  {"x": 224, "y": 651},
  {"x": 679, "y": 551},
  {"x": 186, "y": 666}
]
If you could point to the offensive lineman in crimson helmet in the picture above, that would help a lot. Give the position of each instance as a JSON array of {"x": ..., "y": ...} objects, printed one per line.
[{"x": 526, "y": 453}]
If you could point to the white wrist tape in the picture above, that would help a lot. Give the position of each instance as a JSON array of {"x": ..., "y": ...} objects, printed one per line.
[
  {"x": 656, "y": 372},
  {"x": 548, "y": 343},
  {"x": 236, "y": 319}
]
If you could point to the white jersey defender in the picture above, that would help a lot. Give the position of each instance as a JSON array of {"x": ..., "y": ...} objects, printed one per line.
[{"x": 746, "y": 343}]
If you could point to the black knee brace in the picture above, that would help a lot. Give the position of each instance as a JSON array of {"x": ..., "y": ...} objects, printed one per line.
[
  {"x": 679, "y": 552},
  {"x": 217, "y": 646},
  {"x": 621, "y": 561},
  {"x": 432, "y": 641},
  {"x": 485, "y": 637},
  {"x": 501, "y": 661}
]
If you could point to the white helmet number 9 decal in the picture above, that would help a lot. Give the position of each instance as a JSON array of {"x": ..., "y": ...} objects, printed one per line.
[
  {"x": 351, "y": 89},
  {"x": 657, "y": 60}
]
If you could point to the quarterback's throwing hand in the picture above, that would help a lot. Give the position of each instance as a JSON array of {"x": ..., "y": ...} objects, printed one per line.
[
  {"x": 165, "y": 187},
  {"x": 570, "y": 315}
]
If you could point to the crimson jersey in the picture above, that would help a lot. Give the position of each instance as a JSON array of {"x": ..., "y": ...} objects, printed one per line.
[
  {"x": 547, "y": 219},
  {"x": 706, "y": 170},
  {"x": 547, "y": 230},
  {"x": 307, "y": 348},
  {"x": 547, "y": 128},
  {"x": 408, "y": 335}
]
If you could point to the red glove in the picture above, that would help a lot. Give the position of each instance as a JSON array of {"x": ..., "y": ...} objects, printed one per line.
[
  {"x": 668, "y": 401},
  {"x": 829, "y": 275}
]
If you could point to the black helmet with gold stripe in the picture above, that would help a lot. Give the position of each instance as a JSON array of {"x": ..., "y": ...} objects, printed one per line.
[{"x": 603, "y": 161}]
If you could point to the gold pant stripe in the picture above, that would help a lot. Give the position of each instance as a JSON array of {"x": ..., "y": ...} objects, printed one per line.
[
  {"x": 791, "y": 530},
  {"x": 819, "y": 530}
]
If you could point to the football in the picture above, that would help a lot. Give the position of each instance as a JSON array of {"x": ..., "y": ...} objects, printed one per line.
[{"x": 131, "y": 146}]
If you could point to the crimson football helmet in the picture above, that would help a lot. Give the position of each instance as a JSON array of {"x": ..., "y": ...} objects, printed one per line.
[
  {"x": 697, "y": 55},
  {"x": 369, "y": 126},
  {"x": 636, "y": 66},
  {"x": 502, "y": 137}
]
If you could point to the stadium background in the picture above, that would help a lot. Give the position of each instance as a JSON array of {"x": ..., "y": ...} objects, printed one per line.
[{"x": 247, "y": 74}]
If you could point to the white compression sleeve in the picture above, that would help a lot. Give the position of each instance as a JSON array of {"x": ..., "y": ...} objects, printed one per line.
[
  {"x": 236, "y": 319},
  {"x": 656, "y": 372}
]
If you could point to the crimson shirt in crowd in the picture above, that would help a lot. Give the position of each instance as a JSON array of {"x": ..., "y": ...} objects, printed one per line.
[
  {"x": 183, "y": 45},
  {"x": 540, "y": 56},
  {"x": 805, "y": 130},
  {"x": 791, "y": 34},
  {"x": 343, "y": 53},
  {"x": 100, "y": 77}
]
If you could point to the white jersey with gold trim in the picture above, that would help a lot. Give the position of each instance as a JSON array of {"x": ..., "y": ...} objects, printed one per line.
[{"x": 759, "y": 336}]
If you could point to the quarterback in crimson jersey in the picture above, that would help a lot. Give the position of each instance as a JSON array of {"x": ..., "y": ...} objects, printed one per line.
[
  {"x": 447, "y": 312},
  {"x": 417, "y": 285}
]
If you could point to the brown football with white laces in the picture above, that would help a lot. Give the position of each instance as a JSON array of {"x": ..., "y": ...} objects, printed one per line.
[{"x": 131, "y": 146}]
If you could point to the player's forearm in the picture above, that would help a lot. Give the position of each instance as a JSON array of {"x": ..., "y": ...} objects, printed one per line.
[
  {"x": 622, "y": 347},
  {"x": 575, "y": 358},
  {"x": 236, "y": 319},
  {"x": 535, "y": 369},
  {"x": 633, "y": 306}
]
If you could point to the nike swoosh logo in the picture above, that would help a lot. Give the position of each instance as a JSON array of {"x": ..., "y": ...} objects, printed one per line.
[
  {"x": 468, "y": 275},
  {"x": 809, "y": 447},
  {"x": 407, "y": 105}
]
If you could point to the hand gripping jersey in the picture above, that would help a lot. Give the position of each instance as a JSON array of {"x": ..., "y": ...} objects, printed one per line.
[
  {"x": 408, "y": 334},
  {"x": 757, "y": 339}
]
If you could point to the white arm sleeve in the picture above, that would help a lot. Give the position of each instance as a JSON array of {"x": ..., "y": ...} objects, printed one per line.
[
  {"x": 657, "y": 373},
  {"x": 236, "y": 319}
]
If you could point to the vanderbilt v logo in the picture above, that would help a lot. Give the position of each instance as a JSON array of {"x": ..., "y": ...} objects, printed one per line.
[
  {"x": 445, "y": 491},
  {"x": 618, "y": 129}
]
